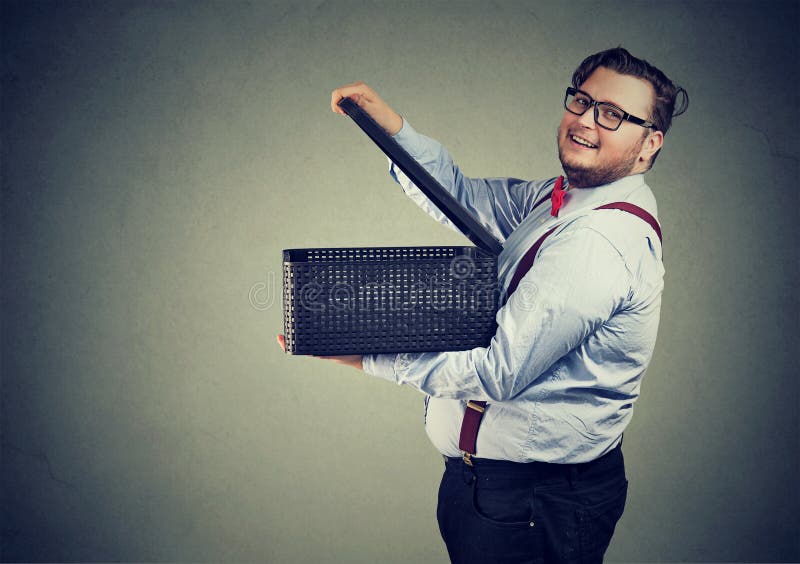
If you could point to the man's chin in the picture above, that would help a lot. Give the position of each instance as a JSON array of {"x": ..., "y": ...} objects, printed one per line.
[
  {"x": 576, "y": 165},
  {"x": 584, "y": 177},
  {"x": 577, "y": 177},
  {"x": 577, "y": 174}
]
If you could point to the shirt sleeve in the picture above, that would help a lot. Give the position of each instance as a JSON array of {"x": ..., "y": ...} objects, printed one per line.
[
  {"x": 578, "y": 282},
  {"x": 499, "y": 204}
]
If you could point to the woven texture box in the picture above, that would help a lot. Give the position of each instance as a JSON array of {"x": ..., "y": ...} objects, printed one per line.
[
  {"x": 388, "y": 299},
  {"x": 393, "y": 299}
]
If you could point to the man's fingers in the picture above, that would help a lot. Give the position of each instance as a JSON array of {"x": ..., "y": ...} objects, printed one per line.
[
  {"x": 336, "y": 95},
  {"x": 352, "y": 360},
  {"x": 369, "y": 101},
  {"x": 359, "y": 92},
  {"x": 348, "y": 360},
  {"x": 339, "y": 94}
]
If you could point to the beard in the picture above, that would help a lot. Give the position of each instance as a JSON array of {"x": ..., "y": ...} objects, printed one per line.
[{"x": 580, "y": 176}]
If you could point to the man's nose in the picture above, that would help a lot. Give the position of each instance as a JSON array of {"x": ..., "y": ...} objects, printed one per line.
[{"x": 587, "y": 118}]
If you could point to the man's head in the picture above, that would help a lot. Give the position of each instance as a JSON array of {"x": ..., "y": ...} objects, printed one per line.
[{"x": 619, "y": 81}]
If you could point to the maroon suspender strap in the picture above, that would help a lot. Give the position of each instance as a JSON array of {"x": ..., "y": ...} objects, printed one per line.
[
  {"x": 525, "y": 264},
  {"x": 544, "y": 199},
  {"x": 475, "y": 409},
  {"x": 473, "y": 414},
  {"x": 638, "y": 212}
]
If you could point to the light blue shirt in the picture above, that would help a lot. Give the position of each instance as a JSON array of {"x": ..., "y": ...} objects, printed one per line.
[{"x": 565, "y": 367}]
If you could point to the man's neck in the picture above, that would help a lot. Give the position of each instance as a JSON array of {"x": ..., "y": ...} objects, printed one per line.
[{"x": 568, "y": 185}]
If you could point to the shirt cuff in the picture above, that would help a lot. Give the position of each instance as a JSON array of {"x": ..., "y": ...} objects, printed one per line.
[
  {"x": 410, "y": 140},
  {"x": 380, "y": 365}
]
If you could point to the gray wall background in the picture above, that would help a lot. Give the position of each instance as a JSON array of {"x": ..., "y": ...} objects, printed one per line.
[{"x": 158, "y": 156}]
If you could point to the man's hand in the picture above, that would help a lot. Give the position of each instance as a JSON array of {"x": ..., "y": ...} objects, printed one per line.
[
  {"x": 370, "y": 102},
  {"x": 354, "y": 360}
]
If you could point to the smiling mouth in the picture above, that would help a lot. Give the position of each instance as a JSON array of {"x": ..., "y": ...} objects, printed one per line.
[{"x": 582, "y": 142}]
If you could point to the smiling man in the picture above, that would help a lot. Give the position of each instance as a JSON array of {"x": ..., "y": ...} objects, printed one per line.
[
  {"x": 531, "y": 426},
  {"x": 593, "y": 147}
]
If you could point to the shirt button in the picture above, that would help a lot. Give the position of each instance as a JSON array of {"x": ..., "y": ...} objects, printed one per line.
[{"x": 532, "y": 523}]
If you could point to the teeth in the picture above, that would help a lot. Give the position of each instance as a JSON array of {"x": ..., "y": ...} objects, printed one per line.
[{"x": 583, "y": 142}]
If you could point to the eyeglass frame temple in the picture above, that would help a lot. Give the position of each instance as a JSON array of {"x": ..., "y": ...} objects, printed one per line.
[{"x": 625, "y": 115}]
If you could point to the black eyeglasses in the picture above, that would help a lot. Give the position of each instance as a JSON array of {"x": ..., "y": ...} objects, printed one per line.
[{"x": 608, "y": 116}]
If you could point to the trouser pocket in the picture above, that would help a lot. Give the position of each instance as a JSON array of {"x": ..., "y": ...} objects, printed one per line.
[
  {"x": 596, "y": 524},
  {"x": 501, "y": 502}
]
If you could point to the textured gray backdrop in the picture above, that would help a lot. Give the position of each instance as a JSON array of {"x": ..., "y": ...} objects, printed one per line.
[{"x": 156, "y": 158}]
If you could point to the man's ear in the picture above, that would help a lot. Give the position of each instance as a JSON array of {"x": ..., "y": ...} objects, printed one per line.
[{"x": 652, "y": 144}]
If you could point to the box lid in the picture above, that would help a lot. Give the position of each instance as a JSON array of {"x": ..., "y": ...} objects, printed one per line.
[{"x": 440, "y": 197}]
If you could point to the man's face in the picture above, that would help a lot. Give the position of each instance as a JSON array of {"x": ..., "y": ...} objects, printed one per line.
[{"x": 615, "y": 154}]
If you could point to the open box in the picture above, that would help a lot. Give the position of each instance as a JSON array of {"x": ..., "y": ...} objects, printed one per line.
[{"x": 393, "y": 299}]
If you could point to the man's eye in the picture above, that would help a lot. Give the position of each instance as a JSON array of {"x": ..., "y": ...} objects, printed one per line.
[
  {"x": 582, "y": 101},
  {"x": 613, "y": 114}
]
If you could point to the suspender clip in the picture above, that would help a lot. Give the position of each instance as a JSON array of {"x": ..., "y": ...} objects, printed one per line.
[
  {"x": 467, "y": 456},
  {"x": 475, "y": 406}
]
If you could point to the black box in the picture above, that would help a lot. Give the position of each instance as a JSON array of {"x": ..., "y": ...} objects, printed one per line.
[{"x": 393, "y": 299}]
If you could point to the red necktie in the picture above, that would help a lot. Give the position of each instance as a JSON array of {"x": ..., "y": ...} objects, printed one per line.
[{"x": 557, "y": 197}]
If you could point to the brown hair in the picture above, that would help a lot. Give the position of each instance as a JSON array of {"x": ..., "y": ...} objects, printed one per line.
[{"x": 621, "y": 61}]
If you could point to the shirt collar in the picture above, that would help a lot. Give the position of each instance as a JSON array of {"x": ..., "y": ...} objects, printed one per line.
[{"x": 614, "y": 191}]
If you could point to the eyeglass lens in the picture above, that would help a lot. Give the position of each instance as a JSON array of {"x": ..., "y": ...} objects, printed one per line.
[{"x": 607, "y": 115}]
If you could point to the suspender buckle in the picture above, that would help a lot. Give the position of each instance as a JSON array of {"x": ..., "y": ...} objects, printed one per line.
[
  {"x": 466, "y": 457},
  {"x": 475, "y": 406}
]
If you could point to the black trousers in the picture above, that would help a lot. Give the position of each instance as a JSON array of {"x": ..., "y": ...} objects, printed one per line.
[{"x": 507, "y": 512}]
